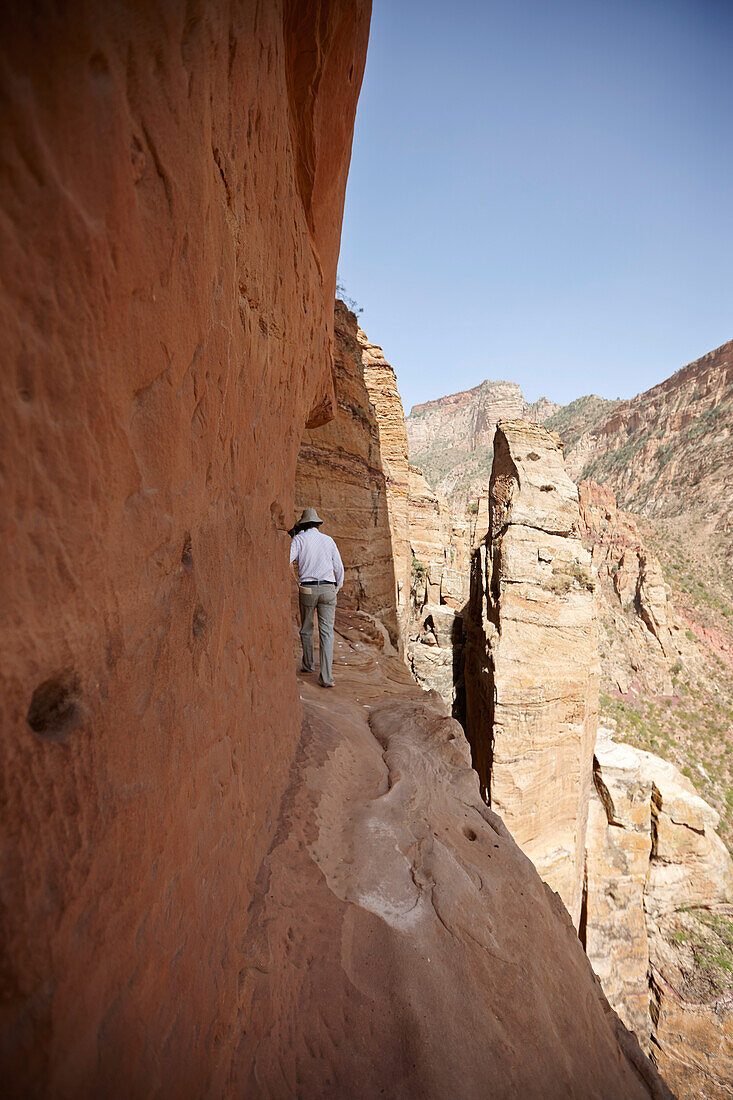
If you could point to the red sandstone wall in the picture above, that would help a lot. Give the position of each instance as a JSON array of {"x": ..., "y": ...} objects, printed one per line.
[{"x": 170, "y": 213}]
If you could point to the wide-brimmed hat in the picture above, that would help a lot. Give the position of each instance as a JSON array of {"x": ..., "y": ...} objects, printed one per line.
[{"x": 310, "y": 515}]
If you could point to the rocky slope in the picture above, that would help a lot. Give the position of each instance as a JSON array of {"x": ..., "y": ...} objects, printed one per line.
[
  {"x": 451, "y": 439},
  {"x": 670, "y": 448},
  {"x": 668, "y": 455},
  {"x": 665, "y": 683},
  {"x": 167, "y": 332},
  {"x": 532, "y": 665}
]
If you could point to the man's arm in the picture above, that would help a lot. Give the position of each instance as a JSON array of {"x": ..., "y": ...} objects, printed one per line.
[
  {"x": 294, "y": 549},
  {"x": 338, "y": 566}
]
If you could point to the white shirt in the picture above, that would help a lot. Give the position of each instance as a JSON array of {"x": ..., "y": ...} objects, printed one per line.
[{"x": 317, "y": 557}]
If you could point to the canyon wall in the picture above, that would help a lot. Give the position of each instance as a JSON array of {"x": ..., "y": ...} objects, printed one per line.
[
  {"x": 670, "y": 447},
  {"x": 659, "y": 915},
  {"x": 339, "y": 467},
  {"x": 405, "y": 554},
  {"x": 532, "y": 657},
  {"x": 172, "y": 199},
  {"x": 341, "y": 473},
  {"x": 642, "y": 636},
  {"x": 381, "y": 385}
]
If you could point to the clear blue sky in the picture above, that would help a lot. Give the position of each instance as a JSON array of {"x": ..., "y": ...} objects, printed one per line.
[{"x": 542, "y": 190}]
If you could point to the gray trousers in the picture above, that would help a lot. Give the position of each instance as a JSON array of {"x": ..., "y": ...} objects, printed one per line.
[{"x": 322, "y": 597}]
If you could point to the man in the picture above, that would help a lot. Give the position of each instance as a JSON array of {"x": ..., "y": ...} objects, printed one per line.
[{"x": 320, "y": 576}]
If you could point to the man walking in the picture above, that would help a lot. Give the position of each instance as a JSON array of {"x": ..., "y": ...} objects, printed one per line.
[{"x": 320, "y": 576}]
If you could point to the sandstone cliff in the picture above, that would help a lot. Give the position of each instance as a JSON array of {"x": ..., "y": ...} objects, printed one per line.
[
  {"x": 341, "y": 473},
  {"x": 200, "y": 894},
  {"x": 171, "y": 199},
  {"x": 659, "y": 922},
  {"x": 642, "y": 636},
  {"x": 669, "y": 446},
  {"x": 381, "y": 385},
  {"x": 668, "y": 455},
  {"x": 532, "y": 665},
  {"x": 451, "y": 439}
]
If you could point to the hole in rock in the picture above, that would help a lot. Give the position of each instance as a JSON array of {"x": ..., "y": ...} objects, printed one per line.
[
  {"x": 533, "y": 456},
  {"x": 54, "y": 711},
  {"x": 469, "y": 833},
  {"x": 547, "y": 488},
  {"x": 98, "y": 64},
  {"x": 199, "y": 621},
  {"x": 187, "y": 552}
]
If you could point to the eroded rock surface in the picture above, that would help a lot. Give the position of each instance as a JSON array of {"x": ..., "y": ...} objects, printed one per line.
[
  {"x": 341, "y": 473},
  {"x": 532, "y": 662},
  {"x": 171, "y": 205},
  {"x": 659, "y": 894},
  {"x": 642, "y": 638},
  {"x": 669, "y": 447},
  {"x": 381, "y": 385},
  {"x": 402, "y": 944}
]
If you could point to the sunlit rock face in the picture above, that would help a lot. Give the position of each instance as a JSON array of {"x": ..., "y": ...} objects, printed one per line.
[
  {"x": 642, "y": 634},
  {"x": 171, "y": 208},
  {"x": 667, "y": 450},
  {"x": 658, "y": 921},
  {"x": 532, "y": 659},
  {"x": 381, "y": 385}
]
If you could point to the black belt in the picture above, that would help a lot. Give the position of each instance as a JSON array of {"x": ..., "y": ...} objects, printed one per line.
[{"x": 318, "y": 582}]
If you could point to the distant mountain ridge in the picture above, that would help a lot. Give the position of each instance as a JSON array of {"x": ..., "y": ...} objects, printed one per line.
[
  {"x": 451, "y": 439},
  {"x": 670, "y": 447},
  {"x": 663, "y": 451}
]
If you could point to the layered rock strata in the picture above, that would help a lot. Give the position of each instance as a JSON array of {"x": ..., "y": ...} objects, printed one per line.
[
  {"x": 658, "y": 910},
  {"x": 532, "y": 664},
  {"x": 406, "y": 555},
  {"x": 401, "y": 943},
  {"x": 341, "y": 473},
  {"x": 381, "y": 384},
  {"x": 171, "y": 205},
  {"x": 670, "y": 447}
]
